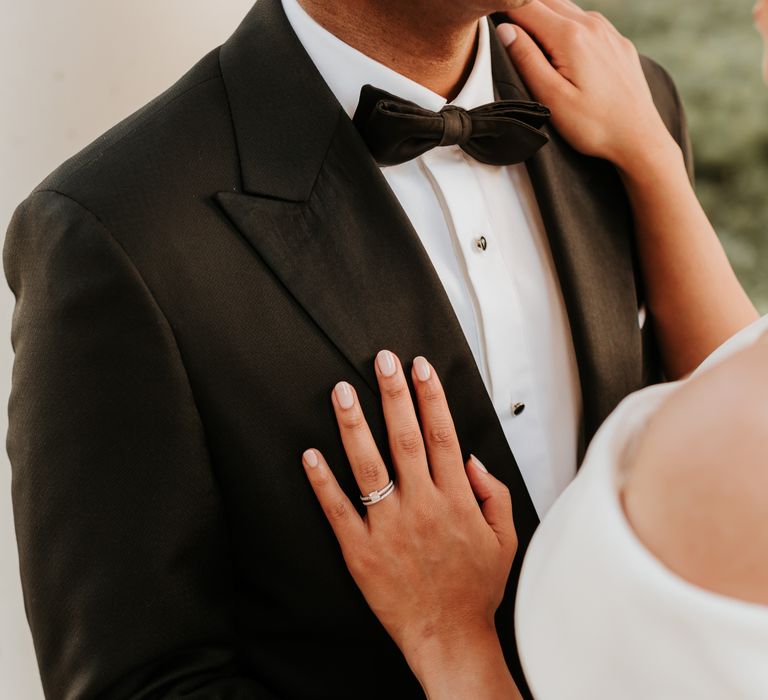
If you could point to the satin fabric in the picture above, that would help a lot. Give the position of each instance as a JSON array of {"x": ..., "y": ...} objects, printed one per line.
[{"x": 506, "y": 132}]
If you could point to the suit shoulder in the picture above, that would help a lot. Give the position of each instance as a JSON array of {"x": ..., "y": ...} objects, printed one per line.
[
  {"x": 670, "y": 106},
  {"x": 161, "y": 134},
  {"x": 663, "y": 88},
  {"x": 50, "y": 236}
]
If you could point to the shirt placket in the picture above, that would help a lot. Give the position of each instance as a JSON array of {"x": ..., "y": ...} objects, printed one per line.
[{"x": 505, "y": 363}]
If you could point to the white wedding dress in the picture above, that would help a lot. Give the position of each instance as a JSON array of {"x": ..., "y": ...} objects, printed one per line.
[{"x": 600, "y": 618}]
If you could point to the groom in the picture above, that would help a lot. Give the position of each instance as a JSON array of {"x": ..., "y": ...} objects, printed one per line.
[{"x": 191, "y": 286}]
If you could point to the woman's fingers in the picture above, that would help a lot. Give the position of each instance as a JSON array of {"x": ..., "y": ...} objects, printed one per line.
[
  {"x": 573, "y": 5},
  {"x": 405, "y": 441},
  {"x": 543, "y": 80},
  {"x": 547, "y": 25},
  {"x": 363, "y": 454},
  {"x": 445, "y": 460},
  {"x": 495, "y": 501},
  {"x": 344, "y": 519},
  {"x": 591, "y": 78},
  {"x": 572, "y": 11},
  {"x": 606, "y": 23},
  {"x": 566, "y": 8}
]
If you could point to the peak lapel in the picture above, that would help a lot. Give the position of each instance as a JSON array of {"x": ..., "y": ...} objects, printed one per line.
[
  {"x": 590, "y": 230},
  {"x": 318, "y": 212},
  {"x": 283, "y": 113}
]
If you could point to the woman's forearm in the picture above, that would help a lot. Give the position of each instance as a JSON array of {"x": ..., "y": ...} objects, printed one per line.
[
  {"x": 469, "y": 665},
  {"x": 693, "y": 296}
]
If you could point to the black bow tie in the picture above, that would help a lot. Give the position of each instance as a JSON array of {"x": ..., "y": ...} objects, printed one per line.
[{"x": 499, "y": 133}]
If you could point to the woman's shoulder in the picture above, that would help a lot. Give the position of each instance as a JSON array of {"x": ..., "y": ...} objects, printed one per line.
[
  {"x": 697, "y": 489},
  {"x": 600, "y": 580}
]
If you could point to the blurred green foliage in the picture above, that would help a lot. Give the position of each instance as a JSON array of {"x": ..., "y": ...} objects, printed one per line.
[{"x": 713, "y": 52}]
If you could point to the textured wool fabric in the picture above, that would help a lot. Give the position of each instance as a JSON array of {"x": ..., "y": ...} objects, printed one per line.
[{"x": 189, "y": 289}]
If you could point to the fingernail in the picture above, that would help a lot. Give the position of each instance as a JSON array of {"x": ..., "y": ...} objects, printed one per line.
[
  {"x": 423, "y": 371},
  {"x": 344, "y": 395},
  {"x": 506, "y": 33},
  {"x": 310, "y": 457},
  {"x": 478, "y": 464},
  {"x": 386, "y": 362}
]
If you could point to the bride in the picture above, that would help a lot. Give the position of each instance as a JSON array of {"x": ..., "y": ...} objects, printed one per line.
[{"x": 649, "y": 576}]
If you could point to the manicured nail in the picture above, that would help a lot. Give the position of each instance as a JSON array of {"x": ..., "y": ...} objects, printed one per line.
[
  {"x": 423, "y": 371},
  {"x": 386, "y": 362},
  {"x": 478, "y": 464},
  {"x": 310, "y": 457},
  {"x": 506, "y": 33},
  {"x": 344, "y": 395}
]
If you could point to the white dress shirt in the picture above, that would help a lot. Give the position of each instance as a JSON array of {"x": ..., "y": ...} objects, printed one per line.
[{"x": 482, "y": 230}]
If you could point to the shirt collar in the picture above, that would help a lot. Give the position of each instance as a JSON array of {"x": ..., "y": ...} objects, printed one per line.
[{"x": 346, "y": 70}]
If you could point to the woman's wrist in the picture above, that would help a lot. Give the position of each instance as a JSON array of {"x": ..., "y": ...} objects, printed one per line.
[
  {"x": 468, "y": 664},
  {"x": 650, "y": 160},
  {"x": 655, "y": 176}
]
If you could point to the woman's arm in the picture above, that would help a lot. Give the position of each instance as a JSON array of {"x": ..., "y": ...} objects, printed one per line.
[
  {"x": 472, "y": 666},
  {"x": 432, "y": 559},
  {"x": 695, "y": 300},
  {"x": 592, "y": 80}
]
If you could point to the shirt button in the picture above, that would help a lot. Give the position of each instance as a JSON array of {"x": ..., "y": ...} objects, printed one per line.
[
  {"x": 481, "y": 243},
  {"x": 518, "y": 408}
]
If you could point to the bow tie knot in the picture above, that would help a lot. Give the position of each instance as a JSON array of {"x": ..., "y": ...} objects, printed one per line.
[
  {"x": 457, "y": 126},
  {"x": 499, "y": 133}
]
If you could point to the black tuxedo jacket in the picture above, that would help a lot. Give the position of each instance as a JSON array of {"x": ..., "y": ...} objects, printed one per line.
[{"x": 188, "y": 290}]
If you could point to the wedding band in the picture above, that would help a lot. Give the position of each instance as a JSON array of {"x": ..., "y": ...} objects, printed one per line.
[{"x": 379, "y": 495}]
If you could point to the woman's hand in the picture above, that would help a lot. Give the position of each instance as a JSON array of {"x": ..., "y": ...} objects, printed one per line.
[
  {"x": 432, "y": 559},
  {"x": 591, "y": 79}
]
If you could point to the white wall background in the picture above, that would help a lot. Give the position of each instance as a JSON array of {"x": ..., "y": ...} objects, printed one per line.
[{"x": 70, "y": 70}]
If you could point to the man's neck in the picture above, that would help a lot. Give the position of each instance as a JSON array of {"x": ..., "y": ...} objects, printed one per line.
[{"x": 437, "y": 53}]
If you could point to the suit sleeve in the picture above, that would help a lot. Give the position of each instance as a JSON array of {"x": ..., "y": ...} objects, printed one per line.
[{"x": 122, "y": 539}]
